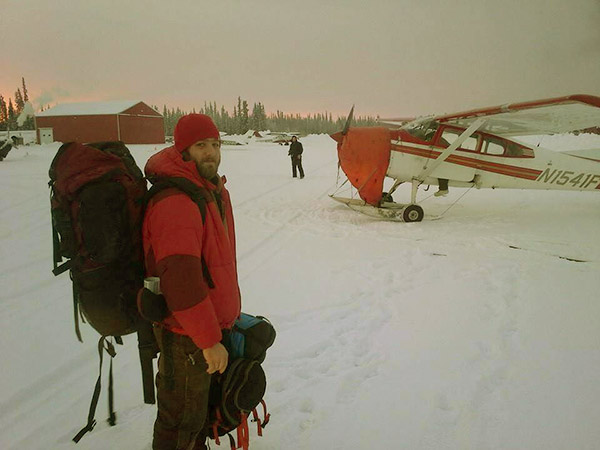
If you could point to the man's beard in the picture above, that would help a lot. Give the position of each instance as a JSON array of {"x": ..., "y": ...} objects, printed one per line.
[{"x": 207, "y": 170}]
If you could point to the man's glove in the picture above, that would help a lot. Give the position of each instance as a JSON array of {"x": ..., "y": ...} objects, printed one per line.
[{"x": 151, "y": 306}]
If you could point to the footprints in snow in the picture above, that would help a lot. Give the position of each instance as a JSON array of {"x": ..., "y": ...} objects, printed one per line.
[
  {"x": 465, "y": 411},
  {"x": 336, "y": 350}
]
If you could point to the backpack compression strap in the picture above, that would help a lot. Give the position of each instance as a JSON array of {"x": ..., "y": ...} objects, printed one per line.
[
  {"x": 148, "y": 350},
  {"x": 110, "y": 349},
  {"x": 243, "y": 437},
  {"x": 261, "y": 424},
  {"x": 58, "y": 267}
]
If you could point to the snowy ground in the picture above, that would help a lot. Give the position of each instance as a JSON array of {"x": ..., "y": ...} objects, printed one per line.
[{"x": 469, "y": 332}]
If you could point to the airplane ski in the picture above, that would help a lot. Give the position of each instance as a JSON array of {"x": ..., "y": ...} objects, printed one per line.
[{"x": 388, "y": 210}]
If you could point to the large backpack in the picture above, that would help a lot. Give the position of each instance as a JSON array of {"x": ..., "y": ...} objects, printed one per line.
[
  {"x": 97, "y": 200},
  {"x": 97, "y": 210}
]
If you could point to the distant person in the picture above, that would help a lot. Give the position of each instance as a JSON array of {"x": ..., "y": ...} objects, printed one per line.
[{"x": 296, "y": 153}]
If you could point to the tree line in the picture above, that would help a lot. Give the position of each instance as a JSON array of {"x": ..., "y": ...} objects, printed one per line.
[
  {"x": 9, "y": 110},
  {"x": 239, "y": 122},
  {"x": 243, "y": 119}
]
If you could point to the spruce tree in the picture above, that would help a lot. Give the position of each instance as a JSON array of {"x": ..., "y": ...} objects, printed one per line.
[
  {"x": 238, "y": 117},
  {"x": 3, "y": 110},
  {"x": 25, "y": 95},
  {"x": 12, "y": 116},
  {"x": 245, "y": 118},
  {"x": 19, "y": 103},
  {"x": 262, "y": 117}
]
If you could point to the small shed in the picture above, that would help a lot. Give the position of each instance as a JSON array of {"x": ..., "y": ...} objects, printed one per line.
[{"x": 133, "y": 122}]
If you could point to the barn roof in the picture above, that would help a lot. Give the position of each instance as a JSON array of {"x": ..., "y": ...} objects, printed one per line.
[{"x": 89, "y": 108}]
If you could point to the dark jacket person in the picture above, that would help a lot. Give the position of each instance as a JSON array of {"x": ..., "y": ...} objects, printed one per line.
[
  {"x": 176, "y": 241},
  {"x": 296, "y": 153}
]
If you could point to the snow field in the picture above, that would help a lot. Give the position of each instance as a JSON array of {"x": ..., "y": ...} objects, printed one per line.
[{"x": 469, "y": 332}]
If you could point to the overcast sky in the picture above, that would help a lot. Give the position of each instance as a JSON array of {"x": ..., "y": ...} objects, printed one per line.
[{"x": 389, "y": 57}]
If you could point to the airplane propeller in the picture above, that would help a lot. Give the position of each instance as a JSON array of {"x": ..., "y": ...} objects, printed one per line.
[
  {"x": 339, "y": 136},
  {"x": 348, "y": 121}
]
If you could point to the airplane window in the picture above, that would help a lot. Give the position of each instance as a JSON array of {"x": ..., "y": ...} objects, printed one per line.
[
  {"x": 448, "y": 137},
  {"x": 470, "y": 143},
  {"x": 513, "y": 149},
  {"x": 493, "y": 148}
]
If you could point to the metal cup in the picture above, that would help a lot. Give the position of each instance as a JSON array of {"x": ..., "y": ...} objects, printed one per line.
[{"x": 152, "y": 284}]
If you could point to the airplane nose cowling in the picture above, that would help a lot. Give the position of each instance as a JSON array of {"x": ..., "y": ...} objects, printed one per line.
[{"x": 364, "y": 155}]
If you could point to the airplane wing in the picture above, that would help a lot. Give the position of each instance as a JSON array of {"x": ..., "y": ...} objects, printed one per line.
[
  {"x": 588, "y": 153},
  {"x": 550, "y": 116}
]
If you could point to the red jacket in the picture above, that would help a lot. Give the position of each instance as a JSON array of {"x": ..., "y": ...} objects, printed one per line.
[{"x": 176, "y": 239}]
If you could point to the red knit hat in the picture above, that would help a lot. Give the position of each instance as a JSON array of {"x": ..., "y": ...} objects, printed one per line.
[{"x": 193, "y": 128}]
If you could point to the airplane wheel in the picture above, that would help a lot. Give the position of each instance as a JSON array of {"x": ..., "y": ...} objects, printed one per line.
[
  {"x": 386, "y": 197},
  {"x": 412, "y": 213}
]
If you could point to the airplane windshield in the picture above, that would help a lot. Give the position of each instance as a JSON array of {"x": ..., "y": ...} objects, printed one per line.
[{"x": 424, "y": 131}]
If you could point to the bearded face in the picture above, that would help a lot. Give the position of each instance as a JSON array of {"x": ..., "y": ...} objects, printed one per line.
[{"x": 207, "y": 156}]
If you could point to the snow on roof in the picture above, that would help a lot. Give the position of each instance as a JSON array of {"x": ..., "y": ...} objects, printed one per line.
[{"x": 89, "y": 108}]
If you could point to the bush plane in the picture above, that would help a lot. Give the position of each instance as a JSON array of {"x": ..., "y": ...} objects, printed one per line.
[
  {"x": 281, "y": 138},
  {"x": 478, "y": 148}
]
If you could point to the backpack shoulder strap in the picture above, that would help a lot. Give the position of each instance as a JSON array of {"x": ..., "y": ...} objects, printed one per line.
[{"x": 196, "y": 193}]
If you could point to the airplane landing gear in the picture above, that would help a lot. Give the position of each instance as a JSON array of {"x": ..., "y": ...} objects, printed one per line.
[
  {"x": 412, "y": 213},
  {"x": 386, "y": 197}
]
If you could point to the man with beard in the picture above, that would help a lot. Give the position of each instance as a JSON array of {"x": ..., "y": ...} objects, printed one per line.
[{"x": 195, "y": 259}]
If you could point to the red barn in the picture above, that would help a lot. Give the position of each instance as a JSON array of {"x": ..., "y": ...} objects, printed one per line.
[{"x": 132, "y": 122}]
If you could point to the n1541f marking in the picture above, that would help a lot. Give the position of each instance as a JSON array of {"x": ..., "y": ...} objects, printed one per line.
[{"x": 578, "y": 181}]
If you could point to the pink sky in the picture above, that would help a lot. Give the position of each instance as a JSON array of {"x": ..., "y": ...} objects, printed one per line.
[{"x": 389, "y": 57}]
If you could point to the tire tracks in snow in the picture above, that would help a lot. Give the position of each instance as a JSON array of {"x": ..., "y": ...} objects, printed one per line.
[
  {"x": 276, "y": 188},
  {"x": 260, "y": 250},
  {"x": 281, "y": 228}
]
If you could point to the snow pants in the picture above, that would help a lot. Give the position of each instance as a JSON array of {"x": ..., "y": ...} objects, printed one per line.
[
  {"x": 182, "y": 391},
  {"x": 297, "y": 163}
]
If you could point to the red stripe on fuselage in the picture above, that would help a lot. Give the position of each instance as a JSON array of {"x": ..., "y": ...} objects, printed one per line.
[{"x": 503, "y": 169}]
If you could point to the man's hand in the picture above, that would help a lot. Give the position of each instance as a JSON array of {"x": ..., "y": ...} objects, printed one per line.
[{"x": 216, "y": 357}]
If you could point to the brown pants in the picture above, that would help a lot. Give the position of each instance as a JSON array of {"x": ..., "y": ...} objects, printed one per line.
[{"x": 182, "y": 391}]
